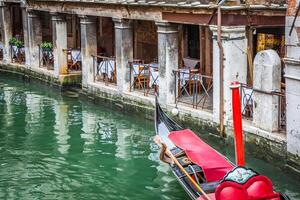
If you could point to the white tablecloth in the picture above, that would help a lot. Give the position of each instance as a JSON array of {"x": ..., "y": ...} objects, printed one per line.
[
  {"x": 190, "y": 62},
  {"x": 107, "y": 67},
  {"x": 185, "y": 76},
  {"x": 154, "y": 74},
  {"x": 140, "y": 70},
  {"x": 17, "y": 50},
  {"x": 75, "y": 56},
  {"x": 143, "y": 70},
  {"x": 247, "y": 98}
]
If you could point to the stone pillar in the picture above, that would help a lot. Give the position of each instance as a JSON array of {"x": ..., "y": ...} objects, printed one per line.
[
  {"x": 124, "y": 52},
  {"x": 34, "y": 38},
  {"x": 88, "y": 28},
  {"x": 292, "y": 80},
  {"x": 234, "y": 44},
  {"x": 6, "y": 31},
  {"x": 59, "y": 28},
  {"x": 167, "y": 60},
  {"x": 25, "y": 34},
  {"x": 266, "y": 79}
]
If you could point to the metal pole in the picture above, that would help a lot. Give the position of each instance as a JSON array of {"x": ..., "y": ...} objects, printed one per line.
[
  {"x": 39, "y": 56},
  {"x": 295, "y": 17},
  {"x": 176, "y": 86},
  {"x": 93, "y": 68},
  {"x": 130, "y": 71}
]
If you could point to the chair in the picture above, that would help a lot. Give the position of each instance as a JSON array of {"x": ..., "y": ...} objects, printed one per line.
[
  {"x": 142, "y": 79},
  {"x": 73, "y": 59},
  {"x": 194, "y": 81}
]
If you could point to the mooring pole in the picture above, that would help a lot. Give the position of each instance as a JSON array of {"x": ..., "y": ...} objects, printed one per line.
[
  {"x": 237, "y": 124},
  {"x": 221, "y": 70}
]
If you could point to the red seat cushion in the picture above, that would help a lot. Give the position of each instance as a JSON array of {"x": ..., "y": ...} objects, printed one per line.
[{"x": 256, "y": 188}]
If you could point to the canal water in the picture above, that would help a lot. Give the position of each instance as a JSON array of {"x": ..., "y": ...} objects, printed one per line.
[{"x": 55, "y": 146}]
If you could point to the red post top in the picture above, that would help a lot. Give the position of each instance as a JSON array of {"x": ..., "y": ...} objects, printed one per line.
[{"x": 237, "y": 124}]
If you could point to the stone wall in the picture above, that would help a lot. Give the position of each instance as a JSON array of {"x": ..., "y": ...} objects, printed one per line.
[{"x": 43, "y": 76}]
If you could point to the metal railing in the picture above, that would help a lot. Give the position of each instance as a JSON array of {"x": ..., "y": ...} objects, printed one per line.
[
  {"x": 247, "y": 103},
  {"x": 73, "y": 59},
  {"x": 144, "y": 77},
  {"x": 104, "y": 69},
  {"x": 46, "y": 58},
  {"x": 281, "y": 108},
  {"x": 17, "y": 54},
  {"x": 193, "y": 88},
  {"x": 1, "y": 53}
]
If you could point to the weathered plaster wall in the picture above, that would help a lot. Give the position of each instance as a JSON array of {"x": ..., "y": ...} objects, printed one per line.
[
  {"x": 234, "y": 43},
  {"x": 292, "y": 76}
]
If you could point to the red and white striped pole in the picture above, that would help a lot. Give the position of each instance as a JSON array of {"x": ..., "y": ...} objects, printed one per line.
[{"x": 237, "y": 124}]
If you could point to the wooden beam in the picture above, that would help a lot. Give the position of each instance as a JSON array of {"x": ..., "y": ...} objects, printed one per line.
[
  {"x": 208, "y": 51},
  {"x": 181, "y": 45},
  {"x": 250, "y": 56},
  {"x": 135, "y": 40},
  {"x": 202, "y": 48},
  {"x": 227, "y": 19}
]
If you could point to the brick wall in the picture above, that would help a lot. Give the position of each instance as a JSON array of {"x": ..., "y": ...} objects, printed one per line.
[{"x": 292, "y": 4}]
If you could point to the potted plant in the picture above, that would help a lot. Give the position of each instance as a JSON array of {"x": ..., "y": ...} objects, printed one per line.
[
  {"x": 47, "y": 50},
  {"x": 16, "y": 42},
  {"x": 47, "y": 46},
  {"x": 17, "y": 51}
]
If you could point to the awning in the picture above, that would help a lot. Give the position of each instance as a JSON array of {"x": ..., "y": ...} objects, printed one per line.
[{"x": 214, "y": 165}]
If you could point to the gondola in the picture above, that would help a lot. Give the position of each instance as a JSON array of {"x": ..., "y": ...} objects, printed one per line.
[{"x": 210, "y": 171}]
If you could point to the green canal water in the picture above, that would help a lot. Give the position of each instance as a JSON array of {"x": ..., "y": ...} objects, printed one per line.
[{"x": 55, "y": 146}]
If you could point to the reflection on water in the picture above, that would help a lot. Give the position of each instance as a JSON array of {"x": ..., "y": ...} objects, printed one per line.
[{"x": 56, "y": 147}]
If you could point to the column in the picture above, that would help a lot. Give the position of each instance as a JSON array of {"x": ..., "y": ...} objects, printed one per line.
[
  {"x": 59, "y": 28},
  {"x": 292, "y": 81},
  {"x": 266, "y": 79},
  {"x": 6, "y": 31},
  {"x": 34, "y": 38},
  {"x": 124, "y": 52},
  {"x": 167, "y": 60},
  {"x": 25, "y": 34},
  {"x": 234, "y": 44},
  {"x": 88, "y": 37}
]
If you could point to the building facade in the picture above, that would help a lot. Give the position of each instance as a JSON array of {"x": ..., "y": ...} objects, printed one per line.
[
  {"x": 292, "y": 77},
  {"x": 187, "y": 52}
]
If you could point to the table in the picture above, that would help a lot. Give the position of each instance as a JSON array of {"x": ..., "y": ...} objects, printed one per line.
[
  {"x": 18, "y": 53},
  {"x": 107, "y": 67},
  {"x": 190, "y": 62},
  {"x": 74, "y": 59},
  {"x": 76, "y": 56},
  {"x": 154, "y": 74}
]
